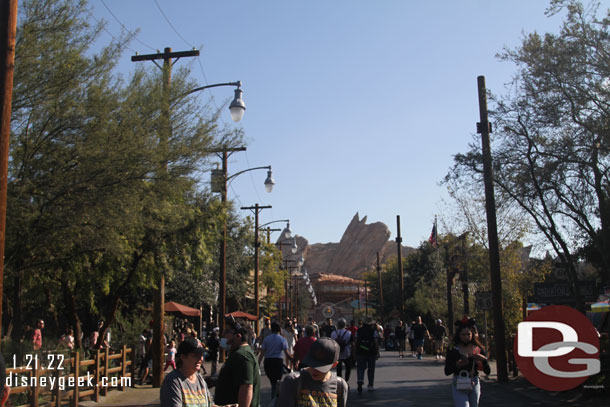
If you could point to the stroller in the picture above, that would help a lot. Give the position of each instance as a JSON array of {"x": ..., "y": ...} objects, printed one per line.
[{"x": 390, "y": 342}]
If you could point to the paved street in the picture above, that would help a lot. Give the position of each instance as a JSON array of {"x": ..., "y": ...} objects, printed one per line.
[
  {"x": 401, "y": 382},
  {"x": 411, "y": 382}
]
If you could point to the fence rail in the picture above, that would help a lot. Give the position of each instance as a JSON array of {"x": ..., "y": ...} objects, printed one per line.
[{"x": 67, "y": 383}]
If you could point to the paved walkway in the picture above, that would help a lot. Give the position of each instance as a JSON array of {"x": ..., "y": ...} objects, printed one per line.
[{"x": 402, "y": 382}]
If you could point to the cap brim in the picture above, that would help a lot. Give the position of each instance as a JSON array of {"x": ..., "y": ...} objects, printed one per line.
[{"x": 323, "y": 369}]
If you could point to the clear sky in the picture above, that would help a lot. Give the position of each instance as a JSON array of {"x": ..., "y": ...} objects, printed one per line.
[{"x": 359, "y": 106}]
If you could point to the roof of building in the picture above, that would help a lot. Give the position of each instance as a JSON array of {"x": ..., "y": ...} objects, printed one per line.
[{"x": 333, "y": 278}]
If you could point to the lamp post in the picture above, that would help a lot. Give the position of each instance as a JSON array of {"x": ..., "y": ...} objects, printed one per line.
[
  {"x": 256, "y": 209},
  {"x": 220, "y": 180},
  {"x": 237, "y": 109}
]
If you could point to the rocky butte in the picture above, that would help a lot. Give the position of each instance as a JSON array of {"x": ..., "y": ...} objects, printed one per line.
[{"x": 355, "y": 253}]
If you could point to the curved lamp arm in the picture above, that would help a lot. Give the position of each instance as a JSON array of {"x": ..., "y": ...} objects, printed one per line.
[
  {"x": 275, "y": 221},
  {"x": 237, "y": 106},
  {"x": 269, "y": 182}
]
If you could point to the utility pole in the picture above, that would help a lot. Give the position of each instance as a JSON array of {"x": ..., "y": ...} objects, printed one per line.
[
  {"x": 222, "y": 275},
  {"x": 8, "y": 33},
  {"x": 484, "y": 128},
  {"x": 256, "y": 209},
  {"x": 401, "y": 275},
  {"x": 158, "y": 347},
  {"x": 380, "y": 284}
]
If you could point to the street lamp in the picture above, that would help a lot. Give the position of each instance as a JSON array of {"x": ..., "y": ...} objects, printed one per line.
[
  {"x": 220, "y": 180},
  {"x": 237, "y": 106}
]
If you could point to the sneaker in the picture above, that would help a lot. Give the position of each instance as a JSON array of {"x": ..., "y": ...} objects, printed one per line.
[
  {"x": 436, "y": 357},
  {"x": 370, "y": 388},
  {"x": 420, "y": 356},
  {"x": 441, "y": 357}
]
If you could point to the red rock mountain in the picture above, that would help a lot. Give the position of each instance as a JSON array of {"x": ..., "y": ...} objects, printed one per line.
[{"x": 355, "y": 253}]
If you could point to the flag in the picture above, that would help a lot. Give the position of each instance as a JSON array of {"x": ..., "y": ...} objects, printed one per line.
[{"x": 433, "y": 235}]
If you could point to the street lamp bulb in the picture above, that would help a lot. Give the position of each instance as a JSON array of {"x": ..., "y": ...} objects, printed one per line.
[
  {"x": 287, "y": 232},
  {"x": 237, "y": 106},
  {"x": 269, "y": 182},
  {"x": 294, "y": 248}
]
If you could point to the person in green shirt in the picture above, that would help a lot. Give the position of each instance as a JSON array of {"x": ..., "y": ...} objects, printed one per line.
[{"x": 239, "y": 379}]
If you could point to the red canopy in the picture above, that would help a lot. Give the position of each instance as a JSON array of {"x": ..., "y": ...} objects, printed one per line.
[
  {"x": 241, "y": 314},
  {"x": 174, "y": 307}
]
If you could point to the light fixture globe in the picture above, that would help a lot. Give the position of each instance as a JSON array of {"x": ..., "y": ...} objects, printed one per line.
[
  {"x": 269, "y": 182},
  {"x": 287, "y": 232},
  {"x": 237, "y": 106},
  {"x": 294, "y": 248}
]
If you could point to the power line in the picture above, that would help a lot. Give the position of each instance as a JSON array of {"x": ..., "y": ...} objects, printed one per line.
[
  {"x": 125, "y": 28},
  {"x": 171, "y": 25},
  {"x": 105, "y": 29}
]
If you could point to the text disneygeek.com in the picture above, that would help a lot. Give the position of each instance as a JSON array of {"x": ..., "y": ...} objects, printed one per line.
[{"x": 63, "y": 382}]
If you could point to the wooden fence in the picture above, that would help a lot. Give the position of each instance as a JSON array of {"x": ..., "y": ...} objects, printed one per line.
[{"x": 55, "y": 382}]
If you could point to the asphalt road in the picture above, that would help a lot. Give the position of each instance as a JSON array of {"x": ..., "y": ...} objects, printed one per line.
[{"x": 410, "y": 382}]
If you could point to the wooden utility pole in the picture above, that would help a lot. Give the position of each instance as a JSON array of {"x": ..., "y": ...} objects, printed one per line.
[
  {"x": 256, "y": 209},
  {"x": 401, "y": 275},
  {"x": 158, "y": 347},
  {"x": 222, "y": 275},
  {"x": 8, "y": 32},
  {"x": 484, "y": 128}
]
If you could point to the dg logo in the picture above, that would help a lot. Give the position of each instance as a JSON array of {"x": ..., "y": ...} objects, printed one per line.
[{"x": 557, "y": 348}]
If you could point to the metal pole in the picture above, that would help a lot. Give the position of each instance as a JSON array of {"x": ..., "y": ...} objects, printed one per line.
[
  {"x": 366, "y": 299},
  {"x": 380, "y": 285},
  {"x": 401, "y": 275},
  {"x": 492, "y": 234},
  {"x": 8, "y": 32},
  {"x": 256, "y": 245}
]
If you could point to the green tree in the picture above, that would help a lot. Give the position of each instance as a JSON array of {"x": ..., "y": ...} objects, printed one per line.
[
  {"x": 96, "y": 208},
  {"x": 551, "y": 142}
]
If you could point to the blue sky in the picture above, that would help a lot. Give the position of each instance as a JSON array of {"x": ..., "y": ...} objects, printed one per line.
[{"x": 357, "y": 105}]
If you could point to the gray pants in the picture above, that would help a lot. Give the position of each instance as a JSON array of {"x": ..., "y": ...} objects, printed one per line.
[{"x": 365, "y": 363}]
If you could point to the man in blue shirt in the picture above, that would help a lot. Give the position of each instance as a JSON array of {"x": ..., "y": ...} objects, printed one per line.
[{"x": 273, "y": 349}]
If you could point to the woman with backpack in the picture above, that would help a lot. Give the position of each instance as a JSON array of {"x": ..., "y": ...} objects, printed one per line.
[{"x": 344, "y": 338}]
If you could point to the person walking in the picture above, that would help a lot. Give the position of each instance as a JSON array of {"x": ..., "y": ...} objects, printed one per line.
[
  {"x": 439, "y": 332},
  {"x": 274, "y": 347},
  {"x": 400, "y": 333},
  {"x": 316, "y": 385},
  {"x": 290, "y": 334},
  {"x": 170, "y": 359},
  {"x": 316, "y": 328},
  {"x": 213, "y": 347},
  {"x": 265, "y": 331},
  {"x": 37, "y": 336},
  {"x": 410, "y": 338},
  {"x": 185, "y": 386},
  {"x": 239, "y": 378},
  {"x": 367, "y": 350},
  {"x": 328, "y": 328},
  {"x": 464, "y": 362},
  {"x": 420, "y": 334},
  {"x": 303, "y": 345},
  {"x": 343, "y": 337}
]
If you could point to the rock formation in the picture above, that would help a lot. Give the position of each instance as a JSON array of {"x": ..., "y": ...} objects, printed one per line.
[{"x": 355, "y": 253}]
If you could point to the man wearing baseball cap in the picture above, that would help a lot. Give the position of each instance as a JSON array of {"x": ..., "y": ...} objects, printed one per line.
[
  {"x": 185, "y": 386},
  {"x": 316, "y": 384}
]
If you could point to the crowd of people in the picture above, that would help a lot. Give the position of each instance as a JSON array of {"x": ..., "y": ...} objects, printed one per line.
[{"x": 305, "y": 364}]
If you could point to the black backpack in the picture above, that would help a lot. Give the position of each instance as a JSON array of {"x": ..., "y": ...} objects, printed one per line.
[{"x": 366, "y": 343}]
